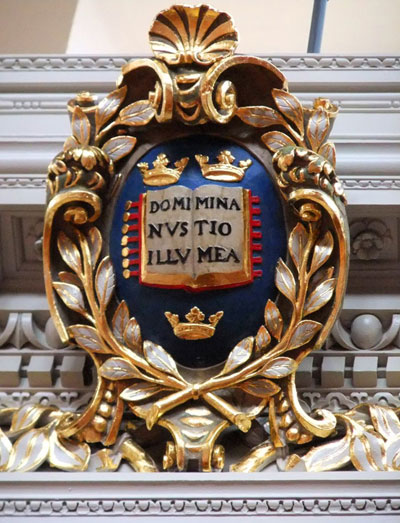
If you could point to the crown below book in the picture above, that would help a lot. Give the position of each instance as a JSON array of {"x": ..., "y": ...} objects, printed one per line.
[
  {"x": 195, "y": 329},
  {"x": 224, "y": 171}
]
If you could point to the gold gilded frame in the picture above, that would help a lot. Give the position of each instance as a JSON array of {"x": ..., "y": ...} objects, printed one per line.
[{"x": 194, "y": 80}]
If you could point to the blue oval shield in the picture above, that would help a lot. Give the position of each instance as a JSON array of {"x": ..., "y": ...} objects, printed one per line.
[{"x": 196, "y": 234}]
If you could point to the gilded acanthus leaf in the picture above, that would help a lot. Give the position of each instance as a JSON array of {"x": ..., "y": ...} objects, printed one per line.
[
  {"x": 69, "y": 252},
  {"x": 80, "y": 126},
  {"x": 120, "y": 320},
  {"x": 67, "y": 454},
  {"x": 367, "y": 450},
  {"x": 5, "y": 450},
  {"x": 29, "y": 451},
  {"x": 259, "y": 387},
  {"x": 71, "y": 295},
  {"x": 70, "y": 277},
  {"x": 285, "y": 281},
  {"x": 26, "y": 417},
  {"x": 317, "y": 128},
  {"x": 119, "y": 369},
  {"x": 87, "y": 338},
  {"x": 263, "y": 339},
  {"x": 393, "y": 454},
  {"x": 290, "y": 107},
  {"x": 328, "y": 151},
  {"x": 137, "y": 113},
  {"x": 108, "y": 106},
  {"x": 259, "y": 116},
  {"x": 159, "y": 358},
  {"x": 140, "y": 391},
  {"x": 239, "y": 355},
  {"x": 297, "y": 244},
  {"x": 331, "y": 456},
  {"x": 275, "y": 140},
  {"x": 132, "y": 336},
  {"x": 273, "y": 320},
  {"x": 95, "y": 242},
  {"x": 385, "y": 421},
  {"x": 322, "y": 251},
  {"x": 279, "y": 368},
  {"x": 119, "y": 146},
  {"x": 320, "y": 296},
  {"x": 303, "y": 333},
  {"x": 105, "y": 281}
]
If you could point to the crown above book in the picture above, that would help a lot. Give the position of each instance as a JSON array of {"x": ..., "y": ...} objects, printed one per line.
[
  {"x": 161, "y": 174},
  {"x": 224, "y": 171},
  {"x": 195, "y": 329}
]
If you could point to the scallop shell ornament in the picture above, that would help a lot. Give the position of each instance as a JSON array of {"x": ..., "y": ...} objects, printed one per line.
[{"x": 183, "y": 35}]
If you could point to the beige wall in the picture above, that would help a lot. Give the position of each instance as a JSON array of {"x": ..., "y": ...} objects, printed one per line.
[
  {"x": 35, "y": 26},
  {"x": 265, "y": 26}
]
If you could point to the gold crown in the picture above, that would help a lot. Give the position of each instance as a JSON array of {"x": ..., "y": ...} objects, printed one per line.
[
  {"x": 161, "y": 174},
  {"x": 195, "y": 329},
  {"x": 224, "y": 171}
]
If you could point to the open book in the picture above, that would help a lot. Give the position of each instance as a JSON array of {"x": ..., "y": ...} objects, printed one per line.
[{"x": 195, "y": 239}]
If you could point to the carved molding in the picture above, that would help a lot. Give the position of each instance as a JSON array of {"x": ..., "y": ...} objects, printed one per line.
[
  {"x": 284, "y": 62},
  {"x": 233, "y": 495}
]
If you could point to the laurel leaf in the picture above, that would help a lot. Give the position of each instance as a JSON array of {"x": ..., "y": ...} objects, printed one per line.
[
  {"x": 259, "y": 387},
  {"x": 87, "y": 338},
  {"x": 317, "y": 128},
  {"x": 259, "y": 116},
  {"x": 263, "y": 339},
  {"x": 67, "y": 454},
  {"x": 238, "y": 355},
  {"x": 71, "y": 295},
  {"x": 137, "y": 113},
  {"x": 322, "y": 251},
  {"x": 297, "y": 243},
  {"x": 140, "y": 391},
  {"x": 320, "y": 296},
  {"x": 279, "y": 368},
  {"x": 95, "y": 242},
  {"x": 285, "y": 282},
  {"x": 5, "y": 450},
  {"x": 320, "y": 276},
  {"x": 69, "y": 252},
  {"x": 26, "y": 417},
  {"x": 328, "y": 151},
  {"x": 290, "y": 106},
  {"x": 273, "y": 320},
  {"x": 80, "y": 126},
  {"x": 119, "y": 146},
  {"x": 132, "y": 336},
  {"x": 385, "y": 421},
  {"x": 120, "y": 320},
  {"x": 108, "y": 106},
  {"x": 303, "y": 333},
  {"x": 119, "y": 369},
  {"x": 29, "y": 451},
  {"x": 331, "y": 456},
  {"x": 105, "y": 281},
  {"x": 70, "y": 277},
  {"x": 275, "y": 140},
  {"x": 70, "y": 143},
  {"x": 367, "y": 451},
  {"x": 159, "y": 358}
]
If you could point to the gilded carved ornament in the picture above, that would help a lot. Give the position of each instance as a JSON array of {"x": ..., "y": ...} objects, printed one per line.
[{"x": 195, "y": 82}]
